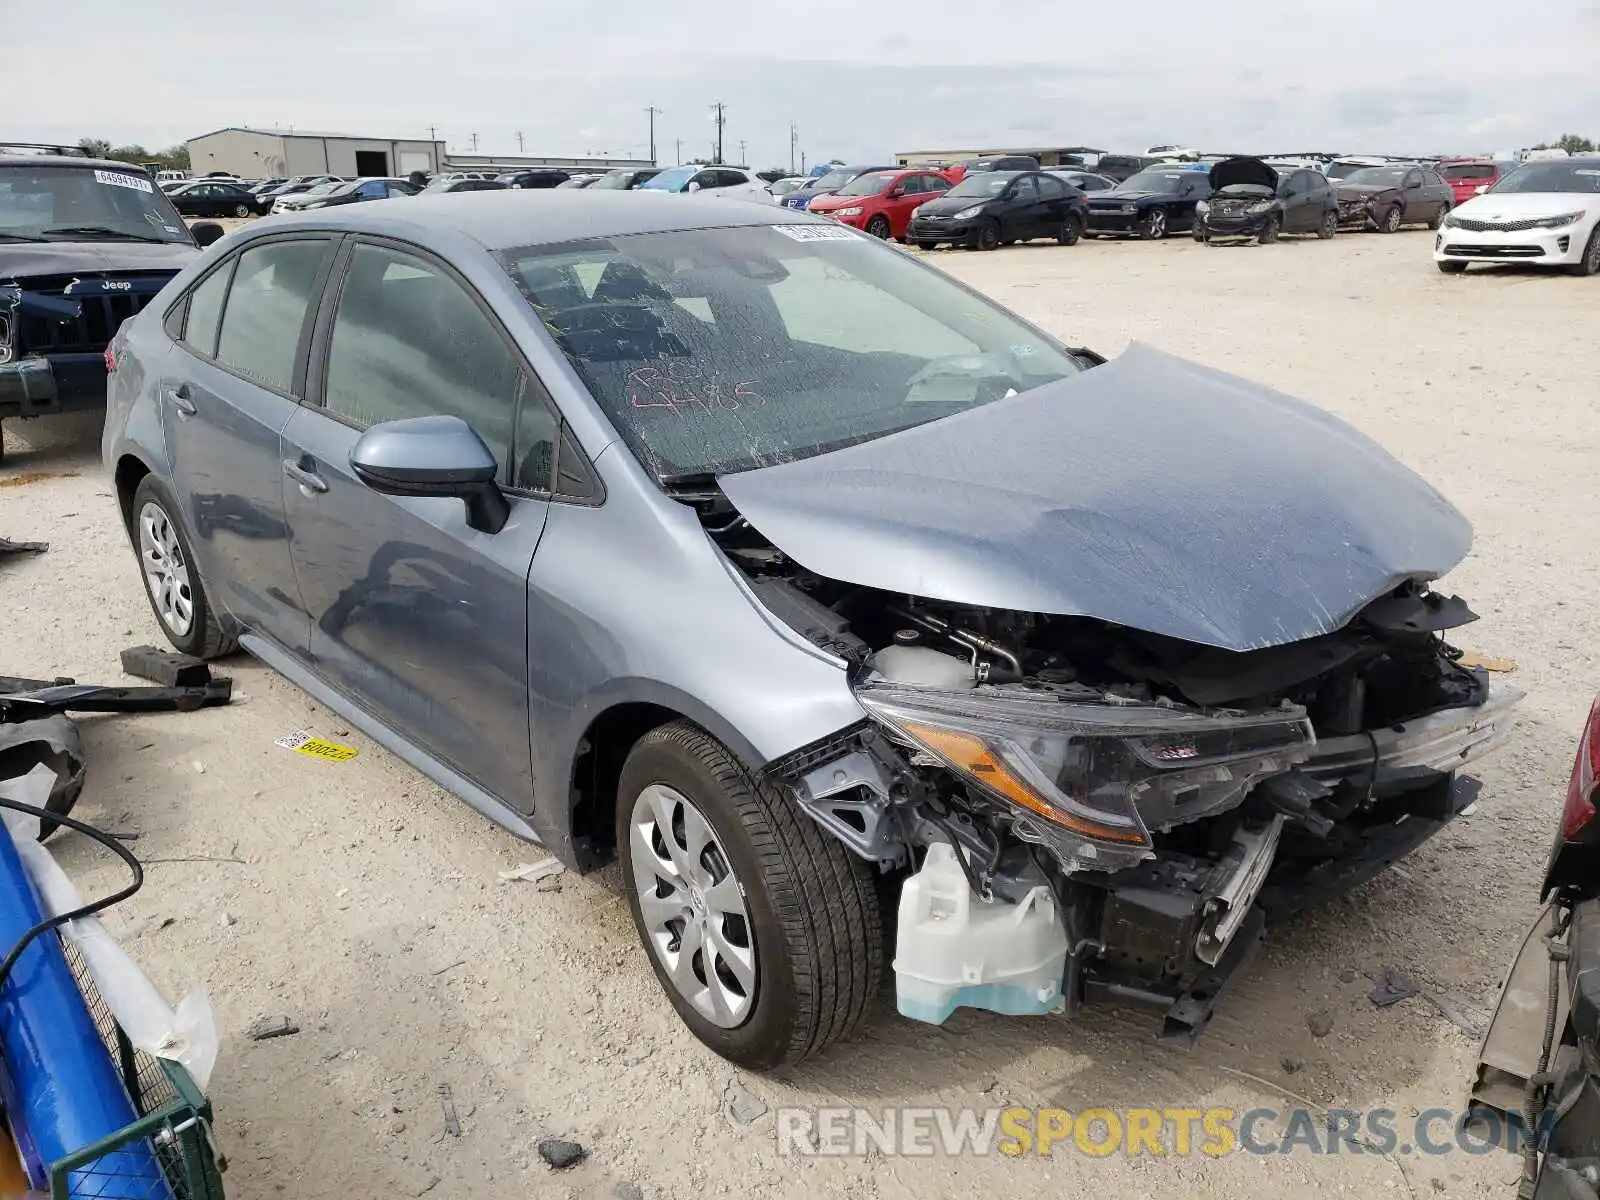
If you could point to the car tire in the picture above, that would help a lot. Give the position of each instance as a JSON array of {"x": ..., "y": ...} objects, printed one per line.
[
  {"x": 927, "y": 245},
  {"x": 1269, "y": 231},
  {"x": 1390, "y": 221},
  {"x": 1071, "y": 230},
  {"x": 1438, "y": 217},
  {"x": 878, "y": 227},
  {"x": 241, "y": 210},
  {"x": 803, "y": 908},
  {"x": 987, "y": 236},
  {"x": 172, "y": 584},
  {"x": 1329, "y": 227},
  {"x": 1153, "y": 225},
  {"x": 1451, "y": 266},
  {"x": 1589, "y": 264}
]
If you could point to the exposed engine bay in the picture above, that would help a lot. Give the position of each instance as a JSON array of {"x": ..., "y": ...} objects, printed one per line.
[{"x": 1131, "y": 806}]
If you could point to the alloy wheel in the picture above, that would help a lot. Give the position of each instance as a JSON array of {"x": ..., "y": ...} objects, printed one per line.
[
  {"x": 1593, "y": 255},
  {"x": 692, "y": 906},
  {"x": 166, "y": 573},
  {"x": 1156, "y": 225},
  {"x": 878, "y": 227}
]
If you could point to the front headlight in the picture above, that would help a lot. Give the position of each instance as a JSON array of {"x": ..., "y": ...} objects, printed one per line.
[
  {"x": 853, "y": 211},
  {"x": 1202, "y": 207},
  {"x": 1450, "y": 221},
  {"x": 1091, "y": 779},
  {"x": 1563, "y": 220},
  {"x": 1259, "y": 207},
  {"x": 966, "y": 214},
  {"x": 1130, "y": 208}
]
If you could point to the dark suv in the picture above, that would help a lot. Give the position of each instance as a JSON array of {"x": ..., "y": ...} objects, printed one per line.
[{"x": 84, "y": 244}]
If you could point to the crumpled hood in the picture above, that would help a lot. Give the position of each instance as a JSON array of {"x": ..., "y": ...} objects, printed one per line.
[
  {"x": 1360, "y": 191},
  {"x": 24, "y": 260},
  {"x": 1150, "y": 492},
  {"x": 1243, "y": 170}
]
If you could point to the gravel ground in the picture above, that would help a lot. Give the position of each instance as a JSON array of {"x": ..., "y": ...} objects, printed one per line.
[{"x": 363, "y": 903}]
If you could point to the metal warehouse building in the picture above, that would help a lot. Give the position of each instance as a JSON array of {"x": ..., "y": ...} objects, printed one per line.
[{"x": 273, "y": 153}]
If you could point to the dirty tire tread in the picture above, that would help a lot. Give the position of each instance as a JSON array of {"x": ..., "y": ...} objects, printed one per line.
[{"x": 827, "y": 910}]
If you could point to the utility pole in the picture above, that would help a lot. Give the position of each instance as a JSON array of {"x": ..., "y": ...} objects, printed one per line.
[
  {"x": 520, "y": 146},
  {"x": 653, "y": 111},
  {"x": 433, "y": 133},
  {"x": 743, "y": 161},
  {"x": 721, "y": 121},
  {"x": 680, "y": 151},
  {"x": 794, "y": 144},
  {"x": 474, "y": 143}
]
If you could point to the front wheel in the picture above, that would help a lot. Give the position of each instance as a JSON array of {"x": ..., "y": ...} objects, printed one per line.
[
  {"x": 1329, "y": 226},
  {"x": 764, "y": 931},
  {"x": 1390, "y": 221},
  {"x": 927, "y": 245},
  {"x": 171, "y": 580},
  {"x": 878, "y": 227},
  {"x": 1153, "y": 225},
  {"x": 1071, "y": 230},
  {"x": 1450, "y": 267},
  {"x": 1269, "y": 231},
  {"x": 987, "y": 237},
  {"x": 1589, "y": 264}
]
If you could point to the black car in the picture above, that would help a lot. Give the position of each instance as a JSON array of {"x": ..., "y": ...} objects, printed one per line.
[
  {"x": 624, "y": 179},
  {"x": 827, "y": 185},
  {"x": 216, "y": 198},
  {"x": 1385, "y": 198},
  {"x": 440, "y": 186},
  {"x": 1150, "y": 204},
  {"x": 1123, "y": 166},
  {"x": 1084, "y": 181},
  {"x": 546, "y": 177},
  {"x": 359, "y": 190},
  {"x": 84, "y": 244},
  {"x": 1252, "y": 201},
  {"x": 997, "y": 208},
  {"x": 1000, "y": 162}
]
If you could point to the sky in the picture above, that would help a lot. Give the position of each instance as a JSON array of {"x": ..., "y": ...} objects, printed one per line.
[{"x": 858, "y": 79}]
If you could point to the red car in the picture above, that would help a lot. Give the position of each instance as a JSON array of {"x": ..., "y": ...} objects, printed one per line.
[
  {"x": 1466, "y": 175},
  {"x": 881, "y": 202}
]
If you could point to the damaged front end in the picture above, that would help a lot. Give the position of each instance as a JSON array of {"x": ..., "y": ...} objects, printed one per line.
[{"x": 1124, "y": 810}]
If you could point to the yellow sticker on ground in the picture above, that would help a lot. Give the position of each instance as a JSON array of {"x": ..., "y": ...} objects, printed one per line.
[
  {"x": 1476, "y": 658},
  {"x": 302, "y": 742}
]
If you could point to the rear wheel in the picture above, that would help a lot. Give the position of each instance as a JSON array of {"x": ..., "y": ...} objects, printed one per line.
[
  {"x": 1270, "y": 231},
  {"x": 1590, "y": 263},
  {"x": 171, "y": 581},
  {"x": 987, "y": 236},
  {"x": 1153, "y": 225},
  {"x": 1071, "y": 230},
  {"x": 764, "y": 931},
  {"x": 1451, "y": 267},
  {"x": 878, "y": 227},
  {"x": 1329, "y": 226}
]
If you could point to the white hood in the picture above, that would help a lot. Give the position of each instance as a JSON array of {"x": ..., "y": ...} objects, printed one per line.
[{"x": 1518, "y": 206}]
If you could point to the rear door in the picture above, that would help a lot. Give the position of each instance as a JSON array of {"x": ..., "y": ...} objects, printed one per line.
[
  {"x": 419, "y": 618},
  {"x": 1055, "y": 201},
  {"x": 1297, "y": 216},
  {"x": 1413, "y": 196},
  {"x": 229, "y": 389}
]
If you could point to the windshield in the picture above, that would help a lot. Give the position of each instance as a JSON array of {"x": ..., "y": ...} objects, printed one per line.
[
  {"x": 670, "y": 180},
  {"x": 46, "y": 203},
  {"x": 832, "y": 181},
  {"x": 867, "y": 185},
  {"x": 784, "y": 186},
  {"x": 1153, "y": 181},
  {"x": 614, "y": 181},
  {"x": 726, "y": 349},
  {"x": 1552, "y": 177},
  {"x": 984, "y": 186},
  {"x": 1377, "y": 176}
]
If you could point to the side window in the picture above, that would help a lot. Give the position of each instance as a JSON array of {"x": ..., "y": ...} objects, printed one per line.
[
  {"x": 266, "y": 310},
  {"x": 730, "y": 179},
  {"x": 538, "y": 434},
  {"x": 1412, "y": 179},
  {"x": 706, "y": 179},
  {"x": 205, "y": 311},
  {"x": 935, "y": 183},
  {"x": 1024, "y": 190},
  {"x": 409, "y": 341},
  {"x": 1050, "y": 188}
]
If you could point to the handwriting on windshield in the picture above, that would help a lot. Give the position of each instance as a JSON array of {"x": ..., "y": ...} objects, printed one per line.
[{"x": 684, "y": 387}]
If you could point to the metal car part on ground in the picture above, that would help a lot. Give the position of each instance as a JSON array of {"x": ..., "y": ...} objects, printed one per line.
[{"x": 769, "y": 655}]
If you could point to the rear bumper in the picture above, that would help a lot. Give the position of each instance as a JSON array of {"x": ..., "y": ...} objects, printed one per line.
[{"x": 32, "y": 387}]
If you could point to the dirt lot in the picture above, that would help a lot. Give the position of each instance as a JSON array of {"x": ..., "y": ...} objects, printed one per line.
[{"x": 360, "y": 901}]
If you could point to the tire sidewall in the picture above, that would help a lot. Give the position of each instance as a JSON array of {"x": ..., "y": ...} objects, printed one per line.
[
  {"x": 153, "y": 491},
  {"x": 764, "y": 1037},
  {"x": 877, "y": 223},
  {"x": 1391, "y": 221},
  {"x": 987, "y": 236},
  {"x": 1071, "y": 231},
  {"x": 1153, "y": 225}
]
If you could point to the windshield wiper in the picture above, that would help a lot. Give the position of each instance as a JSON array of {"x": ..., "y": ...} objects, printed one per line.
[
  {"x": 19, "y": 237},
  {"x": 98, "y": 231}
]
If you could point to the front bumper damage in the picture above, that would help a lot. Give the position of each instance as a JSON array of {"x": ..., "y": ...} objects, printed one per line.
[{"x": 1164, "y": 928}]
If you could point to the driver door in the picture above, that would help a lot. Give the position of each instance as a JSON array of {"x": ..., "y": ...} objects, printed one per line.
[{"x": 1413, "y": 198}]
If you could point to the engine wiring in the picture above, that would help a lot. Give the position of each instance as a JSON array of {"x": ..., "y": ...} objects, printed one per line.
[{"x": 88, "y": 910}]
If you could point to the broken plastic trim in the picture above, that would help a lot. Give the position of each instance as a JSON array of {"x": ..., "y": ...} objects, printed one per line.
[
  {"x": 1225, "y": 911},
  {"x": 35, "y": 698}
]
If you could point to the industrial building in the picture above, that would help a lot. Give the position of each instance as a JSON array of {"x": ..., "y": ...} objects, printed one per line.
[{"x": 277, "y": 153}]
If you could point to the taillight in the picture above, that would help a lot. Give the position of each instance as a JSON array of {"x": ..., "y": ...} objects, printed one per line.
[{"x": 1578, "y": 814}]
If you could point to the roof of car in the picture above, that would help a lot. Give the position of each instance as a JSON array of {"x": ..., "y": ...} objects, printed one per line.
[
  {"x": 68, "y": 160},
  {"x": 503, "y": 218}
]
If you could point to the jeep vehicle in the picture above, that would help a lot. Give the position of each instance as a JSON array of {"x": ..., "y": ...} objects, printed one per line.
[{"x": 85, "y": 243}]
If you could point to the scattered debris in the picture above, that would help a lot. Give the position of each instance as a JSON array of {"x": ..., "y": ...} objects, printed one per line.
[
  {"x": 1465, "y": 1017},
  {"x": 7, "y": 546},
  {"x": 1292, "y": 1065},
  {"x": 24, "y": 478},
  {"x": 560, "y": 1153},
  {"x": 1320, "y": 1022},
  {"x": 272, "y": 1027},
  {"x": 428, "y": 1185},
  {"x": 1394, "y": 987},
  {"x": 302, "y": 742},
  {"x": 199, "y": 767},
  {"x": 226, "y": 919},
  {"x": 743, "y": 1106},
  {"x": 165, "y": 667},
  {"x": 545, "y": 868},
  {"x": 1477, "y": 658},
  {"x": 451, "y": 967},
  {"x": 447, "y": 1101},
  {"x": 628, "y": 1190}
]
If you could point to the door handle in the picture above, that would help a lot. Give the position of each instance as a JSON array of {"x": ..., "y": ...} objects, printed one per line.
[
  {"x": 179, "y": 398},
  {"x": 304, "y": 476}
]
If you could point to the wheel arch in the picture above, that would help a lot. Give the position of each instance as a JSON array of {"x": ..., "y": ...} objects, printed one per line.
[{"x": 129, "y": 473}]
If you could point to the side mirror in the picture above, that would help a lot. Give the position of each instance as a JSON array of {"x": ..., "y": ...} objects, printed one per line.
[
  {"x": 694, "y": 186},
  {"x": 207, "y": 232},
  {"x": 896, "y": 192},
  {"x": 1480, "y": 189},
  {"x": 433, "y": 456}
]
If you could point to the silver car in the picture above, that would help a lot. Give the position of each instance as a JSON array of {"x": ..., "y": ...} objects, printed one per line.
[{"x": 809, "y": 583}]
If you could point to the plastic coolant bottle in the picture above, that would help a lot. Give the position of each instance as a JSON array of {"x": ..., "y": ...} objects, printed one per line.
[{"x": 955, "y": 949}]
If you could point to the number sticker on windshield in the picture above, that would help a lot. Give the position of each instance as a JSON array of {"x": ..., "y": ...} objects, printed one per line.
[
  {"x": 118, "y": 179},
  {"x": 816, "y": 233}
]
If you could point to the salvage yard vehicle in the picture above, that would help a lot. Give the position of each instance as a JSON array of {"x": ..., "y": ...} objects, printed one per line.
[
  {"x": 1149, "y": 205},
  {"x": 359, "y": 191},
  {"x": 827, "y": 184},
  {"x": 1252, "y": 201},
  {"x": 1539, "y": 1065},
  {"x": 1386, "y": 198},
  {"x": 216, "y": 198},
  {"x": 782, "y": 567},
  {"x": 1469, "y": 176},
  {"x": 84, "y": 244},
  {"x": 999, "y": 208},
  {"x": 881, "y": 202},
  {"x": 1546, "y": 214}
]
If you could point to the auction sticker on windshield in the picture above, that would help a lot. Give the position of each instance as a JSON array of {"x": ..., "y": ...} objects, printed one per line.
[
  {"x": 118, "y": 179},
  {"x": 816, "y": 233}
]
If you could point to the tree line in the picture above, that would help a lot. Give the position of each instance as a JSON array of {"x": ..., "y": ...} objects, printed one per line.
[{"x": 173, "y": 158}]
